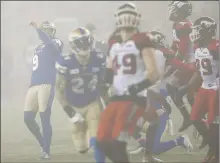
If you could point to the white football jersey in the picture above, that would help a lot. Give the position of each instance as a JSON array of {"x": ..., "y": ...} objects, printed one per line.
[
  {"x": 208, "y": 68},
  {"x": 128, "y": 66}
]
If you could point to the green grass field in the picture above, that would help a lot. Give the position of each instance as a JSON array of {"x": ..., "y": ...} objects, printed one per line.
[{"x": 18, "y": 145}]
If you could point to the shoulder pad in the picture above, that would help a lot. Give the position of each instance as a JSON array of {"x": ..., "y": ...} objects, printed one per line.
[{"x": 142, "y": 40}]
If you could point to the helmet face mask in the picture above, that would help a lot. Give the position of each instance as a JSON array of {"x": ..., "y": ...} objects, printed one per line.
[
  {"x": 158, "y": 38},
  {"x": 81, "y": 42}
]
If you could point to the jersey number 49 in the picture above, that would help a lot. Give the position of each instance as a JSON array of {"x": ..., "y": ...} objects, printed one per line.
[{"x": 128, "y": 64}]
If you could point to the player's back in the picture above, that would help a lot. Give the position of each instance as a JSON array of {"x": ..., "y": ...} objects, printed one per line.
[
  {"x": 83, "y": 85},
  {"x": 181, "y": 40},
  {"x": 44, "y": 59},
  {"x": 207, "y": 61},
  {"x": 128, "y": 66}
]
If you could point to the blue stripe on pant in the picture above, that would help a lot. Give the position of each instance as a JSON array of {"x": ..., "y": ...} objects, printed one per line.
[{"x": 154, "y": 135}]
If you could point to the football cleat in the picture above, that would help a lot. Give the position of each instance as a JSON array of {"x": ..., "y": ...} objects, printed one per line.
[
  {"x": 137, "y": 150},
  {"x": 44, "y": 155},
  {"x": 187, "y": 144},
  {"x": 152, "y": 160}
]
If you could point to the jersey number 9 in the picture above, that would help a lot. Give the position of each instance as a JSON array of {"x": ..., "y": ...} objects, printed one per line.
[{"x": 35, "y": 62}]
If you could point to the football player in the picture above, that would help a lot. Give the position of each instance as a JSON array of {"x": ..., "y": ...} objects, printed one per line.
[
  {"x": 207, "y": 100},
  {"x": 131, "y": 68},
  {"x": 79, "y": 74},
  {"x": 99, "y": 44},
  {"x": 179, "y": 11},
  {"x": 159, "y": 40},
  {"x": 182, "y": 45},
  {"x": 41, "y": 90},
  {"x": 157, "y": 96}
]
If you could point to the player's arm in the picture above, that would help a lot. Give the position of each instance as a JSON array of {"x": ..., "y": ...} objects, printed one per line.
[
  {"x": 148, "y": 55},
  {"x": 60, "y": 87},
  {"x": 46, "y": 38}
]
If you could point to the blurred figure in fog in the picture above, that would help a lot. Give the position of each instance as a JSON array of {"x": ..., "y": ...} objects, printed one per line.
[
  {"x": 41, "y": 91},
  {"x": 99, "y": 44}
]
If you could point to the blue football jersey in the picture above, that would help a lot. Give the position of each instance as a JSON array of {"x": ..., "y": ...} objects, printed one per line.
[
  {"x": 83, "y": 81},
  {"x": 44, "y": 60}
]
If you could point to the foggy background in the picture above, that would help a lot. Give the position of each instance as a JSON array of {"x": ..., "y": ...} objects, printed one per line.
[{"x": 18, "y": 39}]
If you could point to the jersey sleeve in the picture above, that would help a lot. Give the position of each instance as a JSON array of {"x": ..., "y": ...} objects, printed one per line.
[
  {"x": 183, "y": 28},
  {"x": 63, "y": 63},
  {"x": 59, "y": 44},
  {"x": 214, "y": 49},
  {"x": 142, "y": 40}
]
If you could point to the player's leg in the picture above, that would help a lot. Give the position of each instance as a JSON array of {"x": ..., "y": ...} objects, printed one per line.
[
  {"x": 155, "y": 133},
  {"x": 105, "y": 129},
  {"x": 181, "y": 107},
  {"x": 126, "y": 111},
  {"x": 30, "y": 111},
  {"x": 92, "y": 118},
  {"x": 79, "y": 134},
  {"x": 213, "y": 120},
  {"x": 198, "y": 110},
  {"x": 46, "y": 96}
]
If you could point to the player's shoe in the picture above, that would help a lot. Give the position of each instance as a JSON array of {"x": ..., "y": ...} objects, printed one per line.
[
  {"x": 187, "y": 144},
  {"x": 151, "y": 160},
  {"x": 44, "y": 155},
  {"x": 137, "y": 150}
]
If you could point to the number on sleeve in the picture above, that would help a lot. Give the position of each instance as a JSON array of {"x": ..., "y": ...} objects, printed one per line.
[
  {"x": 128, "y": 62},
  {"x": 35, "y": 62},
  {"x": 206, "y": 66}
]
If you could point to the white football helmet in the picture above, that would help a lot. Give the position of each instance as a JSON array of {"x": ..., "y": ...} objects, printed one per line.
[{"x": 127, "y": 15}]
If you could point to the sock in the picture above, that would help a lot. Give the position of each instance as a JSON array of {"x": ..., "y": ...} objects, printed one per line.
[
  {"x": 158, "y": 146},
  {"x": 46, "y": 127},
  {"x": 29, "y": 119},
  {"x": 47, "y": 130},
  {"x": 214, "y": 139},
  {"x": 98, "y": 154},
  {"x": 202, "y": 129},
  {"x": 119, "y": 152},
  {"x": 139, "y": 139}
]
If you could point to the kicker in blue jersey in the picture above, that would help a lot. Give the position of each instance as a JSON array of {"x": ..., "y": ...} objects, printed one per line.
[
  {"x": 83, "y": 85},
  {"x": 44, "y": 59}
]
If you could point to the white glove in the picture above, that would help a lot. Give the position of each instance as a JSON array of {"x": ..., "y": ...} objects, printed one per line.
[{"x": 77, "y": 118}]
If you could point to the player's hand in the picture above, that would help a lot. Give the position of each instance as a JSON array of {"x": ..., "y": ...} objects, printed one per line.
[
  {"x": 160, "y": 112},
  {"x": 77, "y": 118},
  {"x": 33, "y": 24}
]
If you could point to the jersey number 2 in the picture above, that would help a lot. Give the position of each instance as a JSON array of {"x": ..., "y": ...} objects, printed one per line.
[
  {"x": 128, "y": 62},
  {"x": 206, "y": 66},
  {"x": 35, "y": 62}
]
